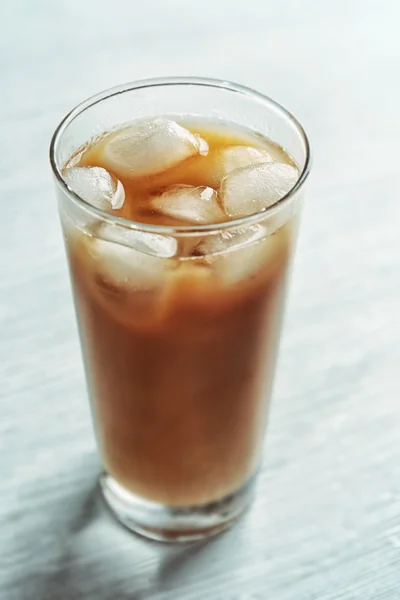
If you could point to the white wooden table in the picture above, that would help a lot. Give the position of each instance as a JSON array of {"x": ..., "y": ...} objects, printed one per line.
[{"x": 326, "y": 523}]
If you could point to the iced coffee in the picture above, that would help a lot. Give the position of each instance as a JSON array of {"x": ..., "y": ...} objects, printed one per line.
[{"x": 179, "y": 254}]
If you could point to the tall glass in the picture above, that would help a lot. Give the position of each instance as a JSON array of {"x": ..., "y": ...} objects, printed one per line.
[{"x": 179, "y": 374}]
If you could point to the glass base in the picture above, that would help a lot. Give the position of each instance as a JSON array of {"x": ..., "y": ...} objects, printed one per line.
[{"x": 165, "y": 524}]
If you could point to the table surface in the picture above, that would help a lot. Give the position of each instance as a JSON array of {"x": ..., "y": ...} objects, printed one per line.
[{"x": 326, "y": 522}]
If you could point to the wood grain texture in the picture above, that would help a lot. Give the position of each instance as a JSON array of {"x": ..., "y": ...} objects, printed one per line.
[{"x": 326, "y": 522}]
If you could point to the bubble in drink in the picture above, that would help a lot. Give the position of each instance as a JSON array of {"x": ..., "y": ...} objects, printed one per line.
[
  {"x": 96, "y": 186},
  {"x": 222, "y": 161},
  {"x": 150, "y": 147},
  {"x": 190, "y": 204},
  {"x": 248, "y": 190}
]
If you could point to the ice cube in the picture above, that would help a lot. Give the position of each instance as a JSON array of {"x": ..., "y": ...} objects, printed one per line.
[
  {"x": 155, "y": 244},
  {"x": 248, "y": 260},
  {"x": 120, "y": 265},
  {"x": 190, "y": 204},
  {"x": 96, "y": 186},
  {"x": 150, "y": 147},
  {"x": 248, "y": 190},
  {"x": 230, "y": 239},
  {"x": 203, "y": 146},
  {"x": 222, "y": 161},
  {"x": 238, "y": 254},
  {"x": 191, "y": 278}
]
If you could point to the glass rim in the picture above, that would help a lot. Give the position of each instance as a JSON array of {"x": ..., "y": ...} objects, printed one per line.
[{"x": 175, "y": 81}]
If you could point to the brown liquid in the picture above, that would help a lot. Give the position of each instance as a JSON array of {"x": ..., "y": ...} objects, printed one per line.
[{"x": 180, "y": 372}]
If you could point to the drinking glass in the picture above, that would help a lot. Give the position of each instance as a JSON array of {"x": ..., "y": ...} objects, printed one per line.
[{"x": 179, "y": 373}]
